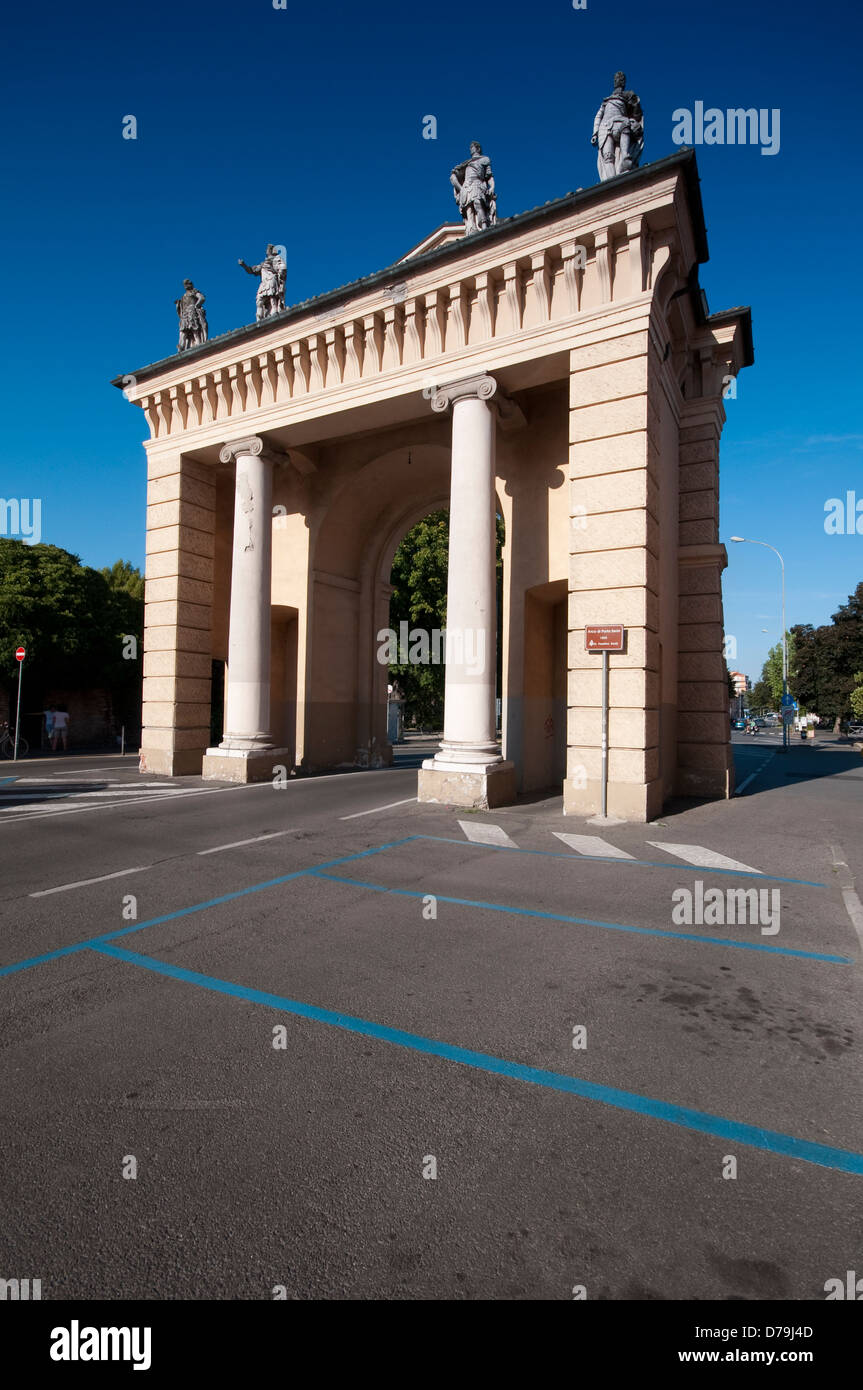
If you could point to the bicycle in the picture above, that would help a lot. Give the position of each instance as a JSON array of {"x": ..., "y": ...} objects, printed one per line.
[{"x": 7, "y": 742}]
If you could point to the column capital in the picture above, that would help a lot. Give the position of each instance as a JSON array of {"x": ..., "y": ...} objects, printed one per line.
[
  {"x": 252, "y": 447},
  {"x": 480, "y": 387}
]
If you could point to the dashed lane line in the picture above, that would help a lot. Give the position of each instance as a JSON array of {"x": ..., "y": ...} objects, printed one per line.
[
  {"x": 374, "y": 809},
  {"x": 85, "y": 882},
  {"x": 738, "y": 791},
  {"x": 256, "y": 839}
]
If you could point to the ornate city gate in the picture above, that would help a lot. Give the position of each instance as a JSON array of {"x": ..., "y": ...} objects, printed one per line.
[{"x": 560, "y": 368}]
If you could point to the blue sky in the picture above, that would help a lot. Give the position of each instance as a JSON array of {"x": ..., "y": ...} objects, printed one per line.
[{"x": 303, "y": 126}]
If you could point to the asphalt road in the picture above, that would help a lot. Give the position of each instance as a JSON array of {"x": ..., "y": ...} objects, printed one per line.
[{"x": 422, "y": 971}]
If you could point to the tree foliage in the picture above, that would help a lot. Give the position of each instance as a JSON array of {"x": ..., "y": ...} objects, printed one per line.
[
  {"x": 71, "y": 619},
  {"x": 771, "y": 672},
  {"x": 419, "y": 583},
  {"x": 828, "y": 658}
]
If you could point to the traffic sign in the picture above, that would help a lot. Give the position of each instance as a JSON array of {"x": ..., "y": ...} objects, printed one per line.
[
  {"x": 605, "y": 637},
  {"x": 788, "y": 699},
  {"x": 787, "y": 714},
  {"x": 20, "y": 653}
]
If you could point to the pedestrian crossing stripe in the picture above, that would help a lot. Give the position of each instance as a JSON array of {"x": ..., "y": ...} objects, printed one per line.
[{"x": 595, "y": 847}]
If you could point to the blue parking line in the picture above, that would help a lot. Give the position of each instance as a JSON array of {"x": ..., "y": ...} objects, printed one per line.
[
  {"x": 770, "y": 1141},
  {"x": 195, "y": 907},
  {"x": 680, "y": 866},
  {"x": 587, "y": 921},
  {"x": 186, "y": 911}
]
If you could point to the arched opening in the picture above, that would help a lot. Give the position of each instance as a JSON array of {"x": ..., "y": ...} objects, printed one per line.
[{"x": 415, "y": 644}]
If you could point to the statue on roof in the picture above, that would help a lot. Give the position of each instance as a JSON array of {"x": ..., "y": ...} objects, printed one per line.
[
  {"x": 618, "y": 131},
  {"x": 473, "y": 189},
  {"x": 192, "y": 316},
  {"x": 272, "y": 272}
]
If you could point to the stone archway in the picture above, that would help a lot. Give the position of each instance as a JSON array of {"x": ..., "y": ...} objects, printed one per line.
[{"x": 349, "y": 591}]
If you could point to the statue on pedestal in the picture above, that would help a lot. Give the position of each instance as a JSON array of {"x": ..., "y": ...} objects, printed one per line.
[
  {"x": 272, "y": 271},
  {"x": 618, "y": 131},
  {"x": 192, "y": 316},
  {"x": 473, "y": 189}
]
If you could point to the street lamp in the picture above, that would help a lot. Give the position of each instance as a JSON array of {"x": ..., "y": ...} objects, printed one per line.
[{"x": 746, "y": 541}]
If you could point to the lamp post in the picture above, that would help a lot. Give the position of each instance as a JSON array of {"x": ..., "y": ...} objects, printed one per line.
[{"x": 746, "y": 541}]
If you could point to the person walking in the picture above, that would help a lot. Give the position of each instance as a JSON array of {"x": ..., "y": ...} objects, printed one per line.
[
  {"x": 61, "y": 729},
  {"x": 49, "y": 726}
]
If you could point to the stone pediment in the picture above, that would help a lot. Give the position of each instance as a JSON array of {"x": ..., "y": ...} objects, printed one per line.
[{"x": 442, "y": 236}]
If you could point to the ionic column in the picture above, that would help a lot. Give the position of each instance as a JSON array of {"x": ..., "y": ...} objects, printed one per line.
[
  {"x": 247, "y": 694},
  {"x": 469, "y": 769}
]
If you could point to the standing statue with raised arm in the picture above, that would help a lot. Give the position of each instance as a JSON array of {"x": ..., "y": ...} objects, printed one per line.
[
  {"x": 618, "y": 131},
  {"x": 473, "y": 189},
  {"x": 192, "y": 316},
  {"x": 272, "y": 272}
]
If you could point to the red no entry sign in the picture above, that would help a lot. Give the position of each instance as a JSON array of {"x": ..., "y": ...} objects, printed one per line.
[
  {"x": 20, "y": 653},
  {"x": 604, "y": 637}
]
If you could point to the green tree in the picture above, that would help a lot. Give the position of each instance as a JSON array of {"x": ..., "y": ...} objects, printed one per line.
[
  {"x": 71, "y": 619},
  {"x": 771, "y": 672},
  {"x": 761, "y": 696},
  {"x": 857, "y": 695},
  {"x": 419, "y": 583},
  {"x": 123, "y": 577},
  {"x": 828, "y": 659}
]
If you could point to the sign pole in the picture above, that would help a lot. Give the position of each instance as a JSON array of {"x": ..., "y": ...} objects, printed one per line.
[
  {"x": 18, "y": 708},
  {"x": 604, "y": 734}
]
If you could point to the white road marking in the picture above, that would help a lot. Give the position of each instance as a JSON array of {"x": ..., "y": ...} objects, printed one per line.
[
  {"x": 237, "y": 844},
  {"x": 854, "y": 908},
  {"x": 704, "y": 858},
  {"x": 70, "y": 810},
  {"x": 486, "y": 834},
  {"x": 374, "y": 810},
  {"x": 751, "y": 778},
  {"x": 592, "y": 845},
  {"x": 85, "y": 882}
]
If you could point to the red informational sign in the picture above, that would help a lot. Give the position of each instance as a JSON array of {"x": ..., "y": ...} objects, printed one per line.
[
  {"x": 20, "y": 653},
  {"x": 604, "y": 637}
]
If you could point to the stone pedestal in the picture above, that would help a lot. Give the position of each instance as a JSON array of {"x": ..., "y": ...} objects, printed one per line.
[
  {"x": 245, "y": 765},
  {"x": 464, "y": 784},
  {"x": 469, "y": 769}
]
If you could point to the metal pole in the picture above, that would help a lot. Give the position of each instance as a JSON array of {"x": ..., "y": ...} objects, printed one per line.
[
  {"x": 122, "y": 740},
  {"x": 604, "y": 774},
  {"x": 784, "y": 658},
  {"x": 18, "y": 709},
  {"x": 746, "y": 541}
]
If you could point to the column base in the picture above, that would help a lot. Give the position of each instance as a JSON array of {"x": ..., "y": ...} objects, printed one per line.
[
  {"x": 470, "y": 785},
  {"x": 245, "y": 764}
]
